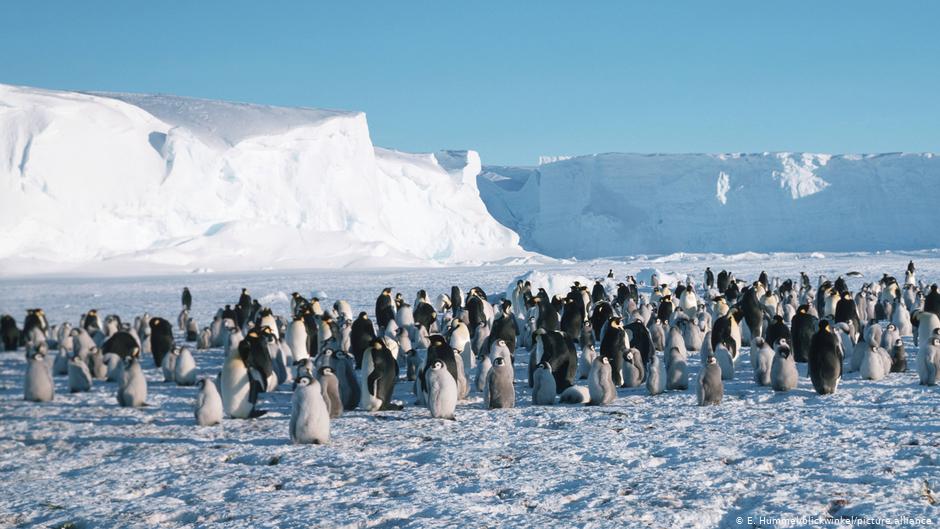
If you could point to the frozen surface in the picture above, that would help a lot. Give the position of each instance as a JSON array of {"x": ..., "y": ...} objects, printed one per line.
[
  {"x": 617, "y": 204},
  {"x": 639, "y": 462}
]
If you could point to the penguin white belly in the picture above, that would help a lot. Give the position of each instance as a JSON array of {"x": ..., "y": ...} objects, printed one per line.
[{"x": 236, "y": 389}]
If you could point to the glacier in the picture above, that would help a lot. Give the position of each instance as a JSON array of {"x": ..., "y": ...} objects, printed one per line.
[
  {"x": 103, "y": 183},
  {"x": 615, "y": 204}
]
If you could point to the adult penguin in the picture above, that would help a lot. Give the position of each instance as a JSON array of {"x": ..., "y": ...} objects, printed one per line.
[
  {"x": 666, "y": 307},
  {"x": 548, "y": 315},
  {"x": 560, "y": 353},
  {"x": 244, "y": 306},
  {"x": 732, "y": 293},
  {"x": 752, "y": 310},
  {"x": 847, "y": 311},
  {"x": 825, "y": 360},
  {"x": 722, "y": 334},
  {"x": 187, "y": 299},
  {"x": 384, "y": 308},
  {"x": 312, "y": 327},
  {"x": 572, "y": 317},
  {"x": 597, "y": 292},
  {"x": 603, "y": 312},
  {"x": 253, "y": 351},
  {"x": 641, "y": 339},
  {"x": 614, "y": 348},
  {"x": 121, "y": 343},
  {"x": 932, "y": 300},
  {"x": 361, "y": 336},
  {"x": 724, "y": 280},
  {"x": 504, "y": 328},
  {"x": 10, "y": 333},
  {"x": 802, "y": 329},
  {"x": 776, "y": 331},
  {"x": 424, "y": 315},
  {"x": 161, "y": 339},
  {"x": 379, "y": 374},
  {"x": 476, "y": 312},
  {"x": 709, "y": 278}
]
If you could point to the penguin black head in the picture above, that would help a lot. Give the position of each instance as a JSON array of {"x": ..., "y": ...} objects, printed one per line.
[
  {"x": 363, "y": 315},
  {"x": 325, "y": 370},
  {"x": 544, "y": 365},
  {"x": 437, "y": 365},
  {"x": 305, "y": 379},
  {"x": 437, "y": 339},
  {"x": 711, "y": 359},
  {"x": 201, "y": 383},
  {"x": 824, "y": 326},
  {"x": 499, "y": 361}
]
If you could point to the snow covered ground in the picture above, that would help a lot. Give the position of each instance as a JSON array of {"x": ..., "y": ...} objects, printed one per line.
[{"x": 872, "y": 449}]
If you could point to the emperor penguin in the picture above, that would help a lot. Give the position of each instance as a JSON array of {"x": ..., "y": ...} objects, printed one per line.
[
  {"x": 309, "y": 416},
  {"x": 926, "y": 323},
  {"x": 825, "y": 360},
  {"x": 442, "y": 391},
  {"x": 99, "y": 370},
  {"x": 586, "y": 360},
  {"x": 349, "y": 386},
  {"x": 928, "y": 362},
  {"x": 169, "y": 364},
  {"x": 783, "y": 373},
  {"x": 543, "y": 385},
  {"x": 677, "y": 370},
  {"x": 898, "y": 357},
  {"x": 329, "y": 385},
  {"x": 208, "y": 408},
  {"x": 297, "y": 339},
  {"x": 185, "y": 369},
  {"x": 79, "y": 375},
  {"x": 132, "y": 389},
  {"x": 655, "y": 375},
  {"x": 379, "y": 374},
  {"x": 38, "y": 386},
  {"x": 600, "y": 382},
  {"x": 633, "y": 371},
  {"x": 500, "y": 391},
  {"x": 876, "y": 363},
  {"x": 762, "y": 359},
  {"x": 725, "y": 361},
  {"x": 710, "y": 388},
  {"x": 235, "y": 384}
]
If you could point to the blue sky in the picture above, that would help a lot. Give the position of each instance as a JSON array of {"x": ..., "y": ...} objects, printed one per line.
[{"x": 516, "y": 80}]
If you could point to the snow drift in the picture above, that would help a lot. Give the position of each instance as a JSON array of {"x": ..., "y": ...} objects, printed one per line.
[
  {"x": 132, "y": 182},
  {"x": 627, "y": 204}
]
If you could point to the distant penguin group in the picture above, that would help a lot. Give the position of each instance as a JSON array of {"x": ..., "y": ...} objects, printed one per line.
[{"x": 585, "y": 346}]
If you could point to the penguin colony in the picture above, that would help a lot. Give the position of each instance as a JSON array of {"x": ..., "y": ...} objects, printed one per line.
[{"x": 580, "y": 347}]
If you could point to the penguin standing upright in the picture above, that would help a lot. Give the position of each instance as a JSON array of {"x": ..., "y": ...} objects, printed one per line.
[
  {"x": 329, "y": 385},
  {"x": 614, "y": 347},
  {"x": 442, "y": 392},
  {"x": 161, "y": 339},
  {"x": 187, "y": 299},
  {"x": 185, "y": 370},
  {"x": 38, "y": 386},
  {"x": 208, "y": 408},
  {"x": 309, "y": 416},
  {"x": 825, "y": 360},
  {"x": 132, "y": 389},
  {"x": 802, "y": 329},
  {"x": 361, "y": 336},
  {"x": 379, "y": 374},
  {"x": 762, "y": 359},
  {"x": 677, "y": 370},
  {"x": 600, "y": 384},
  {"x": 238, "y": 397},
  {"x": 898, "y": 357},
  {"x": 384, "y": 308},
  {"x": 710, "y": 388},
  {"x": 543, "y": 388},
  {"x": 783, "y": 373},
  {"x": 656, "y": 376},
  {"x": 79, "y": 375},
  {"x": 928, "y": 362},
  {"x": 499, "y": 390},
  {"x": 168, "y": 366}
]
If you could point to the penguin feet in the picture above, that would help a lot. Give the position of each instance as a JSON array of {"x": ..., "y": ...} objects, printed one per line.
[{"x": 257, "y": 413}]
